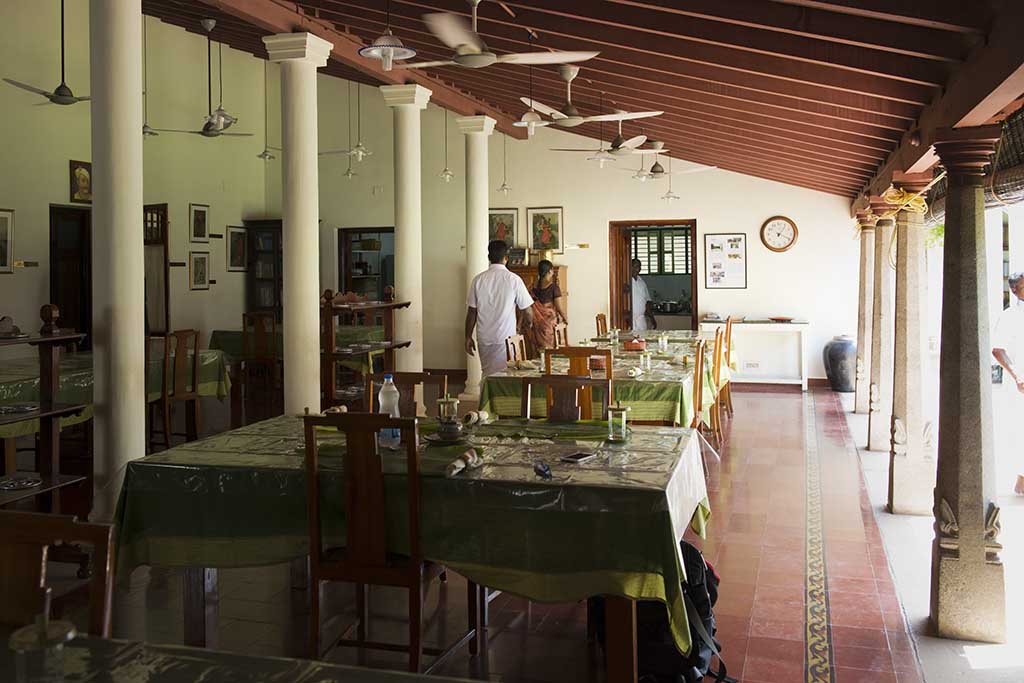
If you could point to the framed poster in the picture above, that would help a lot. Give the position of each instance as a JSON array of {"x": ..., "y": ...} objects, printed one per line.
[
  {"x": 199, "y": 270},
  {"x": 199, "y": 223},
  {"x": 546, "y": 229},
  {"x": 6, "y": 240},
  {"x": 725, "y": 260},
  {"x": 81, "y": 181},
  {"x": 501, "y": 225},
  {"x": 236, "y": 249}
]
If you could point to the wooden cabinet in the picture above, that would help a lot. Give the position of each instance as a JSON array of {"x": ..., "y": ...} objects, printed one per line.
[
  {"x": 529, "y": 276},
  {"x": 264, "y": 283}
]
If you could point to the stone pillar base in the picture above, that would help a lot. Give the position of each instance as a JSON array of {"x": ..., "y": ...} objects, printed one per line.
[
  {"x": 968, "y": 600},
  {"x": 911, "y": 485}
]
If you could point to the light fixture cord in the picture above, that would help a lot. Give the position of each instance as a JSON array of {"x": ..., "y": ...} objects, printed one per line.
[
  {"x": 145, "y": 77},
  {"x": 529, "y": 40},
  {"x": 600, "y": 124},
  {"x": 504, "y": 158},
  {"x": 446, "y": 138},
  {"x": 387, "y": 14},
  {"x": 349, "y": 117},
  {"x": 266, "y": 107},
  {"x": 209, "y": 76},
  {"x": 62, "y": 42},
  {"x": 359, "y": 112},
  {"x": 220, "y": 73}
]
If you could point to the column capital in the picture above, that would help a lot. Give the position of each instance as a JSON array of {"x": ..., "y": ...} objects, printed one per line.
[
  {"x": 410, "y": 95},
  {"x": 965, "y": 152},
  {"x": 911, "y": 182},
  {"x": 879, "y": 207},
  {"x": 286, "y": 47},
  {"x": 475, "y": 124},
  {"x": 866, "y": 221}
]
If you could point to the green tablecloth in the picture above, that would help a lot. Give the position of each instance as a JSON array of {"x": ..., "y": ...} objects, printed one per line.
[
  {"x": 19, "y": 382},
  {"x": 230, "y": 341},
  {"x": 608, "y": 526}
]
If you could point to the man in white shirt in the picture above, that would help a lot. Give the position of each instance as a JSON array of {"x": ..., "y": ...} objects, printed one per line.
[
  {"x": 640, "y": 298},
  {"x": 493, "y": 298},
  {"x": 1008, "y": 349}
]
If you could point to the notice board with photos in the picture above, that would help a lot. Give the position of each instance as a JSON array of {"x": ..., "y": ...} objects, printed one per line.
[{"x": 725, "y": 260}]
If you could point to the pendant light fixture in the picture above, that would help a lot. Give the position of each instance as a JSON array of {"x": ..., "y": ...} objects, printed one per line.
[
  {"x": 147, "y": 131},
  {"x": 531, "y": 118},
  {"x": 670, "y": 196},
  {"x": 387, "y": 48},
  {"x": 266, "y": 154},
  {"x": 641, "y": 174},
  {"x": 349, "y": 174},
  {"x": 360, "y": 151},
  {"x": 446, "y": 175},
  {"x": 603, "y": 156},
  {"x": 505, "y": 188}
]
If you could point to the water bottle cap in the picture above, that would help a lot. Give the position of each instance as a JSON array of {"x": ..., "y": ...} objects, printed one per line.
[{"x": 388, "y": 376}]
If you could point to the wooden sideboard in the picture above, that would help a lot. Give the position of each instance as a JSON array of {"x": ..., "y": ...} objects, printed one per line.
[{"x": 529, "y": 276}]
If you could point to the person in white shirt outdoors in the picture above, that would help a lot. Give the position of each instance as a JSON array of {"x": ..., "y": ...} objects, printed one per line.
[
  {"x": 642, "y": 318},
  {"x": 491, "y": 305},
  {"x": 1008, "y": 349}
]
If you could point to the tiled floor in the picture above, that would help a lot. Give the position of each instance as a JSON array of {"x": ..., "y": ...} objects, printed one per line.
[{"x": 787, "y": 496}]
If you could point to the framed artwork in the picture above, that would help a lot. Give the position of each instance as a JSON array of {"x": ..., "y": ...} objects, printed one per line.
[
  {"x": 237, "y": 249},
  {"x": 6, "y": 240},
  {"x": 199, "y": 270},
  {"x": 80, "y": 174},
  {"x": 199, "y": 222},
  {"x": 546, "y": 230},
  {"x": 501, "y": 225},
  {"x": 725, "y": 260}
]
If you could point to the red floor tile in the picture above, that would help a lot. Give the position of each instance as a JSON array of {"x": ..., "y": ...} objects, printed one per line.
[{"x": 874, "y": 659}]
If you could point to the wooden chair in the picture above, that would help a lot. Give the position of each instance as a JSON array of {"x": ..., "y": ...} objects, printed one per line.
[
  {"x": 602, "y": 325},
  {"x": 25, "y": 540},
  {"x": 726, "y": 389},
  {"x": 365, "y": 558},
  {"x": 569, "y": 397},
  {"x": 717, "y": 354},
  {"x": 406, "y": 383},
  {"x": 561, "y": 335},
  {"x": 579, "y": 366},
  {"x": 697, "y": 423},
  {"x": 183, "y": 347},
  {"x": 515, "y": 348}
]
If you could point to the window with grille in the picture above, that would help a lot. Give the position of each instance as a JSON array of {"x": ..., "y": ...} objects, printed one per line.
[{"x": 664, "y": 250}]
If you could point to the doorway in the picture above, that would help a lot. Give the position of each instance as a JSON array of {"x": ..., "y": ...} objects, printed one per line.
[
  {"x": 71, "y": 268},
  {"x": 155, "y": 247},
  {"x": 366, "y": 261},
  {"x": 668, "y": 265}
]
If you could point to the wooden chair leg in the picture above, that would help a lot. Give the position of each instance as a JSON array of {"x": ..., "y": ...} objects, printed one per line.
[
  {"x": 192, "y": 419},
  {"x": 314, "y": 618},
  {"x": 167, "y": 424},
  {"x": 415, "y": 627},
  {"x": 727, "y": 393},
  {"x": 473, "y": 615},
  {"x": 362, "y": 611}
]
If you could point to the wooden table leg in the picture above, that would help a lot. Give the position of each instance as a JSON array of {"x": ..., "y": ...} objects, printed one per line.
[
  {"x": 299, "y": 572},
  {"x": 235, "y": 374},
  {"x": 10, "y": 459},
  {"x": 620, "y": 639},
  {"x": 200, "y": 597}
]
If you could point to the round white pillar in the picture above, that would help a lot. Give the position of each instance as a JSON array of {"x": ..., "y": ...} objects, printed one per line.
[
  {"x": 476, "y": 129},
  {"x": 118, "y": 315},
  {"x": 300, "y": 54}
]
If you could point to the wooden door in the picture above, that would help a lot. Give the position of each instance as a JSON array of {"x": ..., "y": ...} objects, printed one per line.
[
  {"x": 620, "y": 292},
  {"x": 71, "y": 268},
  {"x": 158, "y": 299}
]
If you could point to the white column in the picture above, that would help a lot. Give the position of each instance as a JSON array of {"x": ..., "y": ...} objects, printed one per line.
[
  {"x": 880, "y": 415},
  {"x": 408, "y": 101},
  {"x": 864, "y": 311},
  {"x": 477, "y": 129},
  {"x": 300, "y": 54},
  {"x": 119, "y": 389}
]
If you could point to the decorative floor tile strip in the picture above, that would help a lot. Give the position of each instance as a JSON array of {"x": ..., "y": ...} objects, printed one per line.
[{"x": 819, "y": 665}]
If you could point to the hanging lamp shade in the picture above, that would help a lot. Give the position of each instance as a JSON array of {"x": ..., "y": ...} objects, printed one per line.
[{"x": 388, "y": 48}]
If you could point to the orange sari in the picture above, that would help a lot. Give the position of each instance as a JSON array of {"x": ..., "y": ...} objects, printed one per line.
[{"x": 545, "y": 317}]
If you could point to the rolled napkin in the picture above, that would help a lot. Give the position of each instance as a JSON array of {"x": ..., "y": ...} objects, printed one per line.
[
  {"x": 525, "y": 365},
  {"x": 336, "y": 409},
  {"x": 468, "y": 460},
  {"x": 635, "y": 372}
]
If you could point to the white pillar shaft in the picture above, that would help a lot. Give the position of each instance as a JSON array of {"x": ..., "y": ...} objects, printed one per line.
[
  {"x": 119, "y": 388},
  {"x": 300, "y": 238},
  {"x": 879, "y": 419},
  {"x": 476, "y": 233},
  {"x": 408, "y": 237},
  {"x": 865, "y": 309}
]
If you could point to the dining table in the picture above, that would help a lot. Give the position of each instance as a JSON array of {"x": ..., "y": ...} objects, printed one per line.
[
  {"x": 347, "y": 336},
  {"x": 608, "y": 526}
]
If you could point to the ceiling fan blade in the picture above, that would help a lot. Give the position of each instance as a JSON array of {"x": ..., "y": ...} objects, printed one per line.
[
  {"x": 346, "y": 152},
  {"x": 536, "y": 124},
  {"x": 695, "y": 170},
  {"x": 565, "y": 149},
  {"x": 30, "y": 88},
  {"x": 623, "y": 116},
  {"x": 633, "y": 142},
  {"x": 543, "y": 108},
  {"x": 546, "y": 57},
  {"x": 237, "y": 135},
  {"x": 425, "y": 65},
  {"x": 453, "y": 31},
  {"x": 83, "y": 99},
  {"x": 178, "y": 130},
  {"x": 650, "y": 151}
]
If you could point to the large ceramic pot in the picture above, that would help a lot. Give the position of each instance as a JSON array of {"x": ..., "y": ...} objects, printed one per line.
[{"x": 840, "y": 360}]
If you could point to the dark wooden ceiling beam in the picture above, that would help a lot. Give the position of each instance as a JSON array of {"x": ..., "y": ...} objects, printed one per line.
[{"x": 945, "y": 15}]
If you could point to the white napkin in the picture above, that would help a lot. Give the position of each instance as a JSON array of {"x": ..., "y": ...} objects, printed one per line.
[{"x": 468, "y": 460}]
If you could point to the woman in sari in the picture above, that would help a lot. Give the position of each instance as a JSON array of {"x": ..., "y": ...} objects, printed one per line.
[{"x": 548, "y": 308}]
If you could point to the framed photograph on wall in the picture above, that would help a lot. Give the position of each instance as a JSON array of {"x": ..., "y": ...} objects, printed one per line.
[
  {"x": 199, "y": 223},
  {"x": 199, "y": 270},
  {"x": 725, "y": 260},
  {"x": 6, "y": 240},
  {"x": 501, "y": 225},
  {"x": 80, "y": 173},
  {"x": 546, "y": 229},
  {"x": 236, "y": 249}
]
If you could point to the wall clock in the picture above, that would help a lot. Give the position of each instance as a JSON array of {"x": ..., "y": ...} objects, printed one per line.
[{"x": 779, "y": 234}]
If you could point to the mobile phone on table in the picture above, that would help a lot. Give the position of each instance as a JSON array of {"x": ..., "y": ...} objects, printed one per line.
[{"x": 578, "y": 457}]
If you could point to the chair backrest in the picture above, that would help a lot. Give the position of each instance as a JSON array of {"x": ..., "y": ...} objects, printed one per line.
[
  {"x": 259, "y": 336},
  {"x": 699, "y": 350},
  {"x": 716, "y": 358},
  {"x": 561, "y": 335},
  {"x": 579, "y": 366},
  {"x": 602, "y": 325},
  {"x": 515, "y": 348},
  {"x": 184, "y": 344},
  {"x": 569, "y": 398},
  {"x": 157, "y": 349},
  {"x": 366, "y": 553},
  {"x": 25, "y": 538},
  {"x": 406, "y": 383},
  {"x": 728, "y": 342}
]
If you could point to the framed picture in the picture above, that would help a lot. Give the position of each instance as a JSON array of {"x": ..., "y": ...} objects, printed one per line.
[
  {"x": 725, "y": 260},
  {"x": 199, "y": 270},
  {"x": 237, "y": 249},
  {"x": 80, "y": 173},
  {"x": 501, "y": 225},
  {"x": 546, "y": 230},
  {"x": 6, "y": 240},
  {"x": 199, "y": 222}
]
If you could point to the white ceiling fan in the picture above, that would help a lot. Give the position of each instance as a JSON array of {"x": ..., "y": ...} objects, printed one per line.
[
  {"x": 657, "y": 170},
  {"x": 619, "y": 147},
  {"x": 62, "y": 93},
  {"x": 471, "y": 51},
  {"x": 569, "y": 116}
]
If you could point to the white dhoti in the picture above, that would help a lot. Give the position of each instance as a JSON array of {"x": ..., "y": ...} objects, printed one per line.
[{"x": 493, "y": 359}]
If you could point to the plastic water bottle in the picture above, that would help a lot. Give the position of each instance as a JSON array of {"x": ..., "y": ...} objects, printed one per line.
[{"x": 387, "y": 399}]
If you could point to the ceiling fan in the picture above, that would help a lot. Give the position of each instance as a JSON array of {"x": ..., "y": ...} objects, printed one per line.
[
  {"x": 620, "y": 146},
  {"x": 217, "y": 121},
  {"x": 471, "y": 51},
  {"x": 62, "y": 93},
  {"x": 569, "y": 116},
  {"x": 657, "y": 170}
]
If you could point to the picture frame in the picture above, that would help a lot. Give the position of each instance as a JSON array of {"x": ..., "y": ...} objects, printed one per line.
[
  {"x": 6, "y": 240},
  {"x": 545, "y": 229},
  {"x": 199, "y": 222},
  {"x": 725, "y": 260},
  {"x": 198, "y": 270},
  {"x": 80, "y": 182},
  {"x": 502, "y": 224},
  {"x": 236, "y": 249}
]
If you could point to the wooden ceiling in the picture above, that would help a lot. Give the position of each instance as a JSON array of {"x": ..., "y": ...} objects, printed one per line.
[{"x": 814, "y": 93}]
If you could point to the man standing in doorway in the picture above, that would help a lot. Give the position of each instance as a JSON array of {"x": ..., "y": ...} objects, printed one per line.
[
  {"x": 641, "y": 297},
  {"x": 493, "y": 298},
  {"x": 1008, "y": 349}
]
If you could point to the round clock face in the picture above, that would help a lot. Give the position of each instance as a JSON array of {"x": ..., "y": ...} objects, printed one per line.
[{"x": 778, "y": 233}]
